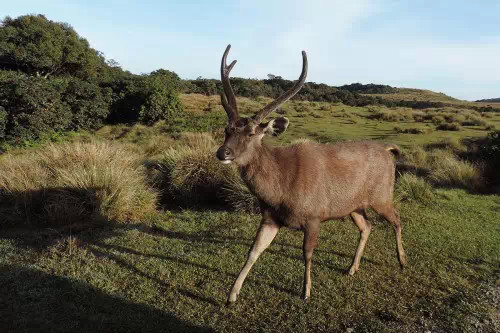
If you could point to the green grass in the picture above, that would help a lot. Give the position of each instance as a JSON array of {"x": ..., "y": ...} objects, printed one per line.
[
  {"x": 171, "y": 270},
  {"x": 176, "y": 270}
]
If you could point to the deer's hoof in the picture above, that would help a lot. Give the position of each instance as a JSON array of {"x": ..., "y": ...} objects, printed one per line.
[
  {"x": 352, "y": 270},
  {"x": 231, "y": 299}
]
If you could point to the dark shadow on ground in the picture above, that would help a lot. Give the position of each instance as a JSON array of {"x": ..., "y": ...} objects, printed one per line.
[{"x": 34, "y": 301}]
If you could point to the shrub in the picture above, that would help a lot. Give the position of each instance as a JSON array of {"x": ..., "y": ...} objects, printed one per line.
[
  {"x": 159, "y": 105},
  {"x": 302, "y": 107},
  {"x": 34, "y": 106},
  {"x": 3, "y": 122},
  {"x": 411, "y": 130},
  {"x": 437, "y": 120},
  {"x": 448, "y": 127},
  {"x": 472, "y": 120},
  {"x": 74, "y": 182},
  {"x": 418, "y": 116},
  {"x": 89, "y": 104},
  {"x": 490, "y": 147},
  {"x": 412, "y": 188},
  {"x": 391, "y": 115}
]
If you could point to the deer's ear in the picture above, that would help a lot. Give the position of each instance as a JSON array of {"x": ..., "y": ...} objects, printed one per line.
[{"x": 276, "y": 126}]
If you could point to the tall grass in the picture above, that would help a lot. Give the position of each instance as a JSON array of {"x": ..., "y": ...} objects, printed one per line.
[
  {"x": 409, "y": 187},
  {"x": 74, "y": 182},
  {"x": 191, "y": 174},
  {"x": 442, "y": 167}
]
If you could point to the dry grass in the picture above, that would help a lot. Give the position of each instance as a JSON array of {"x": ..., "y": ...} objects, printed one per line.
[
  {"x": 74, "y": 182},
  {"x": 449, "y": 171},
  {"x": 385, "y": 114},
  {"x": 442, "y": 167},
  {"x": 191, "y": 174}
]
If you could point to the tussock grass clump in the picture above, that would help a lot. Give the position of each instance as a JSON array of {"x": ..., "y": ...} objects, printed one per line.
[
  {"x": 447, "y": 170},
  {"x": 441, "y": 166},
  {"x": 74, "y": 182},
  {"x": 191, "y": 174},
  {"x": 448, "y": 127},
  {"x": 411, "y": 130},
  {"x": 453, "y": 144},
  {"x": 409, "y": 187},
  {"x": 391, "y": 115}
]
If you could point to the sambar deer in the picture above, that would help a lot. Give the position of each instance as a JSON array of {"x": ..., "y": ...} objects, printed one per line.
[{"x": 299, "y": 186}]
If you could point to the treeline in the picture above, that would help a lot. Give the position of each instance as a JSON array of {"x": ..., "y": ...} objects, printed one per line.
[
  {"x": 52, "y": 81},
  {"x": 351, "y": 94},
  {"x": 489, "y": 100}
]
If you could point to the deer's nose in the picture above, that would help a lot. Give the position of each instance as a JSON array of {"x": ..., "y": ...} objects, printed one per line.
[{"x": 224, "y": 153}]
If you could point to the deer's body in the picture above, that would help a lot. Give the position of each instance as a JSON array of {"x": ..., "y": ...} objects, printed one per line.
[
  {"x": 299, "y": 186},
  {"x": 318, "y": 182}
]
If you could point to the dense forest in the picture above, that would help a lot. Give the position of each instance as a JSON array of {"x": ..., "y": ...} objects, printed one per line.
[{"x": 52, "y": 81}]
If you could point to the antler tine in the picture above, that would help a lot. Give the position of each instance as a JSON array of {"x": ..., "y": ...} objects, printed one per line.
[
  {"x": 228, "y": 98},
  {"x": 262, "y": 114}
]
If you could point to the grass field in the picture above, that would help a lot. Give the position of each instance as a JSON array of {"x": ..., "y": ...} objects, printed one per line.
[{"x": 171, "y": 270}]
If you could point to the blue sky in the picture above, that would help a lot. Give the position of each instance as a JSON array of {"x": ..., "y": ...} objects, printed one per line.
[{"x": 446, "y": 46}]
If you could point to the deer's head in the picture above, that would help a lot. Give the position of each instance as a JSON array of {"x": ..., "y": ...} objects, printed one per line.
[{"x": 244, "y": 135}]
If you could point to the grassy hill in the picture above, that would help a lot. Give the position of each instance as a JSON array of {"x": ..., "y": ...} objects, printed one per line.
[
  {"x": 409, "y": 94},
  {"x": 85, "y": 249}
]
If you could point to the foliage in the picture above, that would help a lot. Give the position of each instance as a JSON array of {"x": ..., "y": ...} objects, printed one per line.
[
  {"x": 162, "y": 101},
  {"x": 88, "y": 102},
  {"x": 490, "y": 147},
  {"x": 448, "y": 127},
  {"x": 34, "y": 106},
  {"x": 3, "y": 122},
  {"x": 40, "y": 47}
]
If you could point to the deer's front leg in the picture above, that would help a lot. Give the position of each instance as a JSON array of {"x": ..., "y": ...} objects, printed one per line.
[
  {"x": 265, "y": 235},
  {"x": 310, "y": 241}
]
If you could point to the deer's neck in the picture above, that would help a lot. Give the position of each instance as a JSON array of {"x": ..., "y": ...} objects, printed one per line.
[{"x": 262, "y": 175}]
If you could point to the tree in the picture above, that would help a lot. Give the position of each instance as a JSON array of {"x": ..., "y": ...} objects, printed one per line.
[{"x": 40, "y": 47}]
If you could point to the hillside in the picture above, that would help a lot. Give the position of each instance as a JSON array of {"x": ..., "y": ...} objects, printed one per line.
[{"x": 409, "y": 94}]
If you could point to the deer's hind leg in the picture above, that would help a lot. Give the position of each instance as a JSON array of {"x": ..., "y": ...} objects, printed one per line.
[
  {"x": 364, "y": 226},
  {"x": 392, "y": 216}
]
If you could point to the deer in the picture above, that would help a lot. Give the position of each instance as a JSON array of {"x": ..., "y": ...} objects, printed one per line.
[{"x": 299, "y": 186}]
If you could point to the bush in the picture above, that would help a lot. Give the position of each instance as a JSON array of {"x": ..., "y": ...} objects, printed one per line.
[
  {"x": 34, "y": 106},
  {"x": 147, "y": 99},
  {"x": 472, "y": 120},
  {"x": 448, "y": 127},
  {"x": 89, "y": 104},
  {"x": 412, "y": 188},
  {"x": 3, "y": 122},
  {"x": 74, "y": 182},
  {"x": 391, "y": 115},
  {"x": 411, "y": 130}
]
